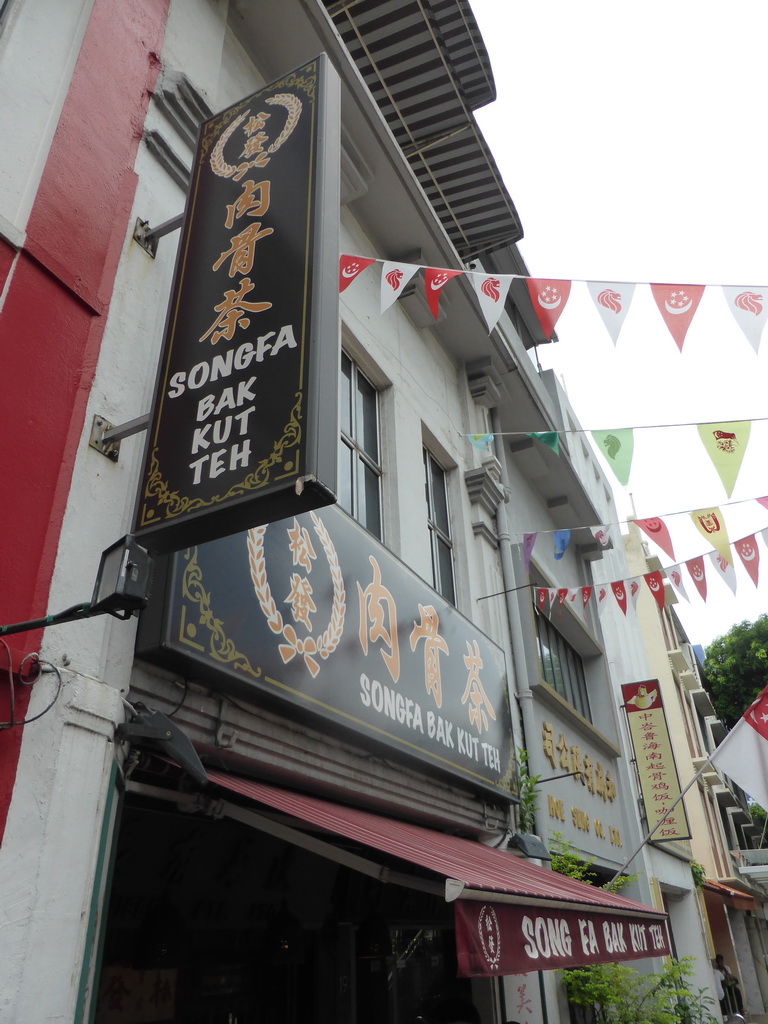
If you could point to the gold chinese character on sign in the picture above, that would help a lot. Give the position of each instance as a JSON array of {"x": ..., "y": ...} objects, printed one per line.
[
  {"x": 253, "y": 201},
  {"x": 232, "y": 312},
  {"x": 548, "y": 742},
  {"x": 479, "y": 705},
  {"x": 427, "y": 630},
  {"x": 378, "y": 620},
  {"x": 300, "y": 546}
]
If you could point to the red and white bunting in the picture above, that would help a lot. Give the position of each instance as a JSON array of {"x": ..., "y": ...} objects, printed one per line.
[
  {"x": 695, "y": 567},
  {"x": 562, "y": 594},
  {"x": 677, "y": 304},
  {"x": 748, "y": 552},
  {"x": 762, "y": 501},
  {"x": 350, "y": 267},
  {"x": 602, "y": 535},
  {"x": 633, "y": 591},
  {"x": 675, "y": 577},
  {"x": 553, "y": 592},
  {"x": 750, "y": 310},
  {"x": 602, "y": 598},
  {"x": 586, "y": 594},
  {"x": 548, "y": 298},
  {"x": 724, "y": 569},
  {"x": 394, "y": 279},
  {"x": 435, "y": 279},
  {"x": 541, "y": 598},
  {"x": 657, "y": 530},
  {"x": 612, "y": 302},
  {"x": 491, "y": 291},
  {"x": 620, "y": 593},
  {"x": 655, "y": 583}
]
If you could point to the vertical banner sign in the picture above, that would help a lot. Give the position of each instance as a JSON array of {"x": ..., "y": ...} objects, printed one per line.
[
  {"x": 244, "y": 424},
  {"x": 659, "y": 782}
]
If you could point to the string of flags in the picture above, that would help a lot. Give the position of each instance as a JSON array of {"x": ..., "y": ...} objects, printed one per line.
[
  {"x": 626, "y": 591},
  {"x": 725, "y": 443},
  {"x": 677, "y": 303}
]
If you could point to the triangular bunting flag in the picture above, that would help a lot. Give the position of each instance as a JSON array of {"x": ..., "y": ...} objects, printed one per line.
[
  {"x": 548, "y": 299},
  {"x": 726, "y": 444},
  {"x": 602, "y": 535},
  {"x": 675, "y": 577},
  {"x": 677, "y": 304},
  {"x": 491, "y": 291},
  {"x": 350, "y": 267},
  {"x": 655, "y": 583},
  {"x": 710, "y": 524},
  {"x": 562, "y": 539},
  {"x": 620, "y": 593},
  {"x": 748, "y": 552},
  {"x": 541, "y": 598},
  {"x": 749, "y": 309},
  {"x": 394, "y": 279},
  {"x": 586, "y": 593},
  {"x": 602, "y": 595},
  {"x": 657, "y": 530},
  {"x": 695, "y": 567},
  {"x": 612, "y": 302},
  {"x": 762, "y": 501},
  {"x": 548, "y": 437},
  {"x": 435, "y": 279},
  {"x": 724, "y": 569},
  {"x": 480, "y": 441},
  {"x": 617, "y": 447},
  {"x": 552, "y": 597},
  {"x": 764, "y": 535},
  {"x": 562, "y": 594},
  {"x": 529, "y": 539},
  {"x": 633, "y": 591}
]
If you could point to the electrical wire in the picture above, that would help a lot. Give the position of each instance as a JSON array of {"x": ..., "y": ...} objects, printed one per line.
[{"x": 45, "y": 666}]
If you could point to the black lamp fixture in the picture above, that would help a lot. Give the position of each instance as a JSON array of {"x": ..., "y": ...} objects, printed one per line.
[
  {"x": 530, "y": 845},
  {"x": 123, "y": 583}
]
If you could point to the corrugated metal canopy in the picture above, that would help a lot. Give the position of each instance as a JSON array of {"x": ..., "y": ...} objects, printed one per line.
[
  {"x": 426, "y": 66},
  {"x": 470, "y": 867}
]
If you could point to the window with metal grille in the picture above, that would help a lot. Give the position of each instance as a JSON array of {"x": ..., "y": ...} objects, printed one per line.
[
  {"x": 562, "y": 667},
  {"x": 359, "y": 452},
  {"x": 439, "y": 528}
]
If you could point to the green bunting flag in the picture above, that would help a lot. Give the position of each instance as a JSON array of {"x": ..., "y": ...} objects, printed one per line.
[
  {"x": 617, "y": 446},
  {"x": 549, "y": 438},
  {"x": 726, "y": 444}
]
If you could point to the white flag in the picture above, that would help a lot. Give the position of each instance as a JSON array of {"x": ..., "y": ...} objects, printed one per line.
[
  {"x": 602, "y": 535},
  {"x": 675, "y": 577},
  {"x": 750, "y": 309},
  {"x": 743, "y": 754},
  {"x": 632, "y": 587},
  {"x": 724, "y": 570},
  {"x": 612, "y": 303},
  {"x": 491, "y": 291},
  {"x": 394, "y": 278}
]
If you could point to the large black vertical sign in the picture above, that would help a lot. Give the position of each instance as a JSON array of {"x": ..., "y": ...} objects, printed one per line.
[{"x": 238, "y": 435}]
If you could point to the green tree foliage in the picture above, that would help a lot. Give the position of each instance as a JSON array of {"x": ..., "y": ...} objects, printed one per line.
[{"x": 736, "y": 667}]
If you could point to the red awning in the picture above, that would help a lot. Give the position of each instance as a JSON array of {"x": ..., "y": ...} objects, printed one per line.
[
  {"x": 511, "y": 915},
  {"x": 739, "y": 900}
]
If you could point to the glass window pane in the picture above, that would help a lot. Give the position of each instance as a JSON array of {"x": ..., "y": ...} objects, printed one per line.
[
  {"x": 445, "y": 571},
  {"x": 345, "y": 477},
  {"x": 439, "y": 498},
  {"x": 367, "y": 427},
  {"x": 369, "y": 512},
  {"x": 345, "y": 395}
]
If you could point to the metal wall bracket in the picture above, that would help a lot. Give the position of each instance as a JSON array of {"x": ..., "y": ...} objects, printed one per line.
[
  {"x": 106, "y": 437},
  {"x": 111, "y": 449},
  {"x": 148, "y": 237}
]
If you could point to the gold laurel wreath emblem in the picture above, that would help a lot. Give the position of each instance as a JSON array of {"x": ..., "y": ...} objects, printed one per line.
[{"x": 327, "y": 643}]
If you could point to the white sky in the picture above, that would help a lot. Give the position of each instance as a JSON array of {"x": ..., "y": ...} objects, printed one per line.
[{"x": 632, "y": 141}]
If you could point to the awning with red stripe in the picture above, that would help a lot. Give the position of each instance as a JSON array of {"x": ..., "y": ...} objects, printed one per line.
[
  {"x": 511, "y": 915},
  {"x": 737, "y": 899}
]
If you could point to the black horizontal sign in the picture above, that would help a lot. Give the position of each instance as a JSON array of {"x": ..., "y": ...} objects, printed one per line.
[{"x": 313, "y": 612}]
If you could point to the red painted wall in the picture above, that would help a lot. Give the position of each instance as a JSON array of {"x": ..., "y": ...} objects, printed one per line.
[{"x": 52, "y": 320}]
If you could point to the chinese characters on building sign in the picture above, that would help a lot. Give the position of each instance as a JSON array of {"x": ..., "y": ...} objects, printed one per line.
[
  {"x": 656, "y": 766},
  {"x": 237, "y": 435},
  {"x": 313, "y": 611},
  {"x": 589, "y": 773}
]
